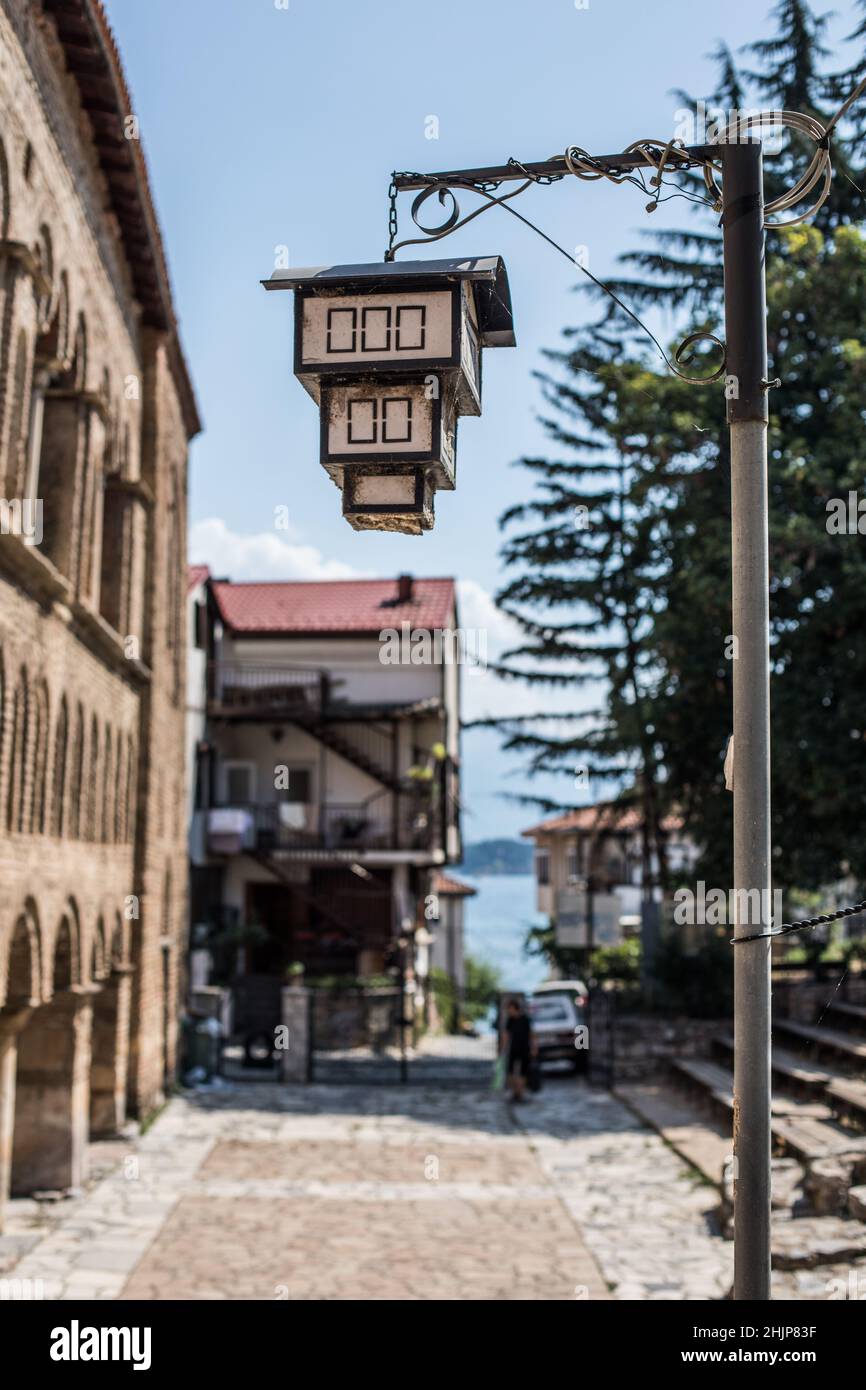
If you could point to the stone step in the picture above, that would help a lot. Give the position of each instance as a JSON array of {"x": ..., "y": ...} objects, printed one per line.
[
  {"x": 788, "y": 1064},
  {"x": 851, "y": 1013},
  {"x": 809, "y": 1241},
  {"x": 808, "y": 1138},
  {"x": 704, "y": 1143},
  {"x": 857, "y": 1202},
  {"x": 801, "y": 1129},
  {"x": 827, "y": 1039},
  {"x": 719, "y": 1082},
  {"x": 848, "y": 1097}
]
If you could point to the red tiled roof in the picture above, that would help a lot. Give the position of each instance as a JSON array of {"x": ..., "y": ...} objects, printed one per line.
[
  {"x": 333, "y": 605},
  {"x": 449, "y": 887},
  {"x": 605, "y": 815},
  {"x": 195, "y": 575}
]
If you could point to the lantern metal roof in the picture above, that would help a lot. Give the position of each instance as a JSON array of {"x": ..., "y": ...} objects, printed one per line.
[{"x": 487, "y": 273}]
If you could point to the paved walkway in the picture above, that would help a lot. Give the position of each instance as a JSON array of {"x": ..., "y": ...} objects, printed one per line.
[{"x": 258, "y": 1191}]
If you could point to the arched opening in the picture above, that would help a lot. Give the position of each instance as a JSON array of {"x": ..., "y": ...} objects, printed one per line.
[
  {"x": 76, "y": 787},
  {"x": 169, "y": 980},
  {"x": 49, "y": 1150},
  {"x": 58, "y": 795},
  {"x": 39, "y": 760},
  {"x": 2, "y": 728},
  {"x": 93, "y": 787},
  {"x": 62, "y": 455},
  {"x": 110, "y": 1044},
  {"x": 109, "y": 784},
  {"x": 16, "y": 436},
  {"x": 19, "y": 990},
  {"x": 17, "y": 789},
  {"x": 131, "y": 799}
]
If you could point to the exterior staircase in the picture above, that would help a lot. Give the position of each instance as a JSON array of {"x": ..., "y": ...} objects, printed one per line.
[{"x": 368, "y": 759}]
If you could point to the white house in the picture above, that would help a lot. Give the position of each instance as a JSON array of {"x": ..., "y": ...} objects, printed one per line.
[
  {"x": 326, "y": 769},
  {"x": 591, "y": 878}
]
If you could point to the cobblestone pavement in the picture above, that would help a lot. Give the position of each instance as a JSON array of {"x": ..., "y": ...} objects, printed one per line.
[{"x": 259, "y": 1191}]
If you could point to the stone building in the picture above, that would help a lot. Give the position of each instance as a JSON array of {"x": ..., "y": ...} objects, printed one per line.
[{"x": 96, "y": 411}]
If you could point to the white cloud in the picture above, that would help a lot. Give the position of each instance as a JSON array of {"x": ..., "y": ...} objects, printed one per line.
[
  {"x": 266, "y": 555},
  {"x": 487, "y": 696}
]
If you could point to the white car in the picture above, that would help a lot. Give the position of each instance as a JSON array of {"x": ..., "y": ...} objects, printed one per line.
[{"x": 558, "y": 1014}]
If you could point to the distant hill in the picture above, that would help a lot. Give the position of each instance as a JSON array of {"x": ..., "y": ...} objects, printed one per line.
[{"x": 497, "y": 857}]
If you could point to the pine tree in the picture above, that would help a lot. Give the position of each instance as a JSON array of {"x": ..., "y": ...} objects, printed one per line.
[{"x": 644, "y": 598}]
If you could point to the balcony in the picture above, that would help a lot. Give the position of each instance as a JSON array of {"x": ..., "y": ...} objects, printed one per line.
[
  {"x": 249, "y": 690},
  {"x": 374, "y": 824}
]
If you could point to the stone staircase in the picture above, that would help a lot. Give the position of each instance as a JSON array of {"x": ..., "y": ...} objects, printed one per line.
[{"x": 818, "y": 1128}]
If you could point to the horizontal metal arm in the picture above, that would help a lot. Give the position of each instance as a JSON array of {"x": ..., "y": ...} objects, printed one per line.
[{"x": 555, "y": 168}]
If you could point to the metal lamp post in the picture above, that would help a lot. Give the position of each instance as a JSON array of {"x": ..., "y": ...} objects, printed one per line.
[{"x": 391, "y": 353}]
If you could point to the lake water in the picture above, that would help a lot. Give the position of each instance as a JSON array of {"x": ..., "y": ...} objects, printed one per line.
[{"x": 495, "y": 925}]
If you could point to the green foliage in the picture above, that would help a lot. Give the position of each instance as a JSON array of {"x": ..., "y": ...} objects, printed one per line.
[
  {"x": 341, "y": 982},
  {"x": 854, "y": 952},
  {"x": 619, "y": 963},
  {"x": 567, "y": 963},
  {"x": 481, "y": 988},
  {"x": 697, "y": 983},
  {"x": 483, "y": 983}
]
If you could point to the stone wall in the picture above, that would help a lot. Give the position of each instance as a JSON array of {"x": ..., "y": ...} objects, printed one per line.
[
  {"x": 644, "y": 1044},
  {"x": 95, "y": 416}
]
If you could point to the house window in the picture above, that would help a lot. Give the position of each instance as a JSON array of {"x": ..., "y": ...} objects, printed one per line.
[
  {"x": 239, "y": 780},
  {"x": 200, "y": 630},
  {"x": 542, "y": 866},
  {"x": 572, "y": 861},
  {"x": 298, "y": 786}
]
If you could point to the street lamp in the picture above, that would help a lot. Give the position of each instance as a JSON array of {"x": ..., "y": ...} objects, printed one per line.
[{"x": 391, "y": 354}]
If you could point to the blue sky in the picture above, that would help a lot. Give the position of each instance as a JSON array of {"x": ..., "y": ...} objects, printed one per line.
[{"x": 267, "y": 126}]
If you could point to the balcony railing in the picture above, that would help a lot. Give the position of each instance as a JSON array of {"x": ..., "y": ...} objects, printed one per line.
[
  {"x": 244, "y": 687},
  {"x": 366, "y": 825}
]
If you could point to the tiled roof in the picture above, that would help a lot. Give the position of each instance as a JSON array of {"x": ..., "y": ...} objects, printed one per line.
[
  {"x": 605, "y": 815},
  {"x": 333, "y": 605},
  {"x": 195, "y": 575},
  {"x": 448, "y": 887}
]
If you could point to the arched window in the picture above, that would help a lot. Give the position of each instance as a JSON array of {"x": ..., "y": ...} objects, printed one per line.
[
  {"x": 76, "y": 788},
  {"x": 3, "y": 713},
  {"x": 131, "y": 792},
  {"x": 4, "y": 193},
  {"x": 120, "y": 794},
  {"x": 64, "y": 972},
  {"x": 58, "y": 796},
  {"x": 39, "y": 759},
  {"x": 62, "y": 457},
  {"x": 17, "y": 790},
  {"x": 16, "y": 439},
  {"x": 108, "y": 782},
  {"x": 174, "y": 590},
  {"x": 94, "y": 789},
  {"x": 100, "y": 961}
]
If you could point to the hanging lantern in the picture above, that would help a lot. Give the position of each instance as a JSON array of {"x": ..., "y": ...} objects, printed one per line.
[{"x": 391, "y": 353}]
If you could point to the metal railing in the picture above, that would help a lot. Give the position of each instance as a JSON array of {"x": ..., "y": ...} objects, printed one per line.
[
  {"x": 238, "y": 686},
  {"x": 376, "y": 823}
]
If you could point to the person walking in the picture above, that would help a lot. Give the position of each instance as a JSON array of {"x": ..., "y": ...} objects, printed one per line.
[{"x": 520, "y": 1049}]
